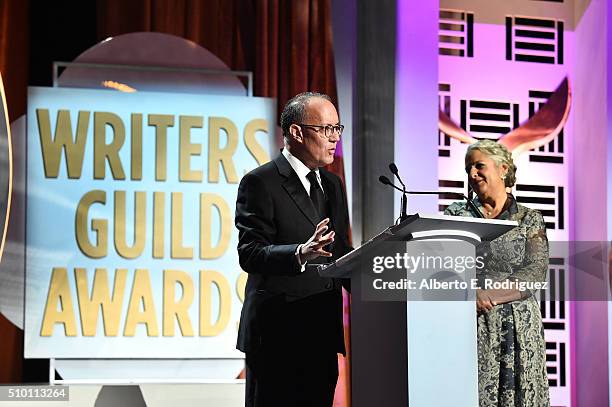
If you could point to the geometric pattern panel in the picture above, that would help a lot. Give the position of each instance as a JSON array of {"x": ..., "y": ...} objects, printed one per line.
[
  {"x": 554, "y": 304},
  {"x": 548, "y": 199},
  {"x": 444, "y": 104},
  {"x": 553, "y": 151},
  {"x": 488, "y": 118},
  {"x": 456, "y": 33},
  {"x": 556, "y": 354},
  {"x": 449, "y": 189},
  {"x": 534, "y": 40}
]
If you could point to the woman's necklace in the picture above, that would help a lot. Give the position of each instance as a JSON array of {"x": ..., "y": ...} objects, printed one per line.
[{"x": 497, "y": 212}]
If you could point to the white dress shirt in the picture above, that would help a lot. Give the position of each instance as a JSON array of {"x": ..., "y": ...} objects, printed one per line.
[{"x": 302, "y": 171}]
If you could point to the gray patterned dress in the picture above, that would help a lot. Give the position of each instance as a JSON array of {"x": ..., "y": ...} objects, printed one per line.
[{"x": 511, "y": 348}]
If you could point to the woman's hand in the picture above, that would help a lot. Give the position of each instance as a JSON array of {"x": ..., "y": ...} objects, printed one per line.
[{"x": 484, "y": 302}]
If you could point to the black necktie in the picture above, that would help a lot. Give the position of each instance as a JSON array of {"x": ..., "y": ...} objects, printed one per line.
[{"x": 316, "y": 194}]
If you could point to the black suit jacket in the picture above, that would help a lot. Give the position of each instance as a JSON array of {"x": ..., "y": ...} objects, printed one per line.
[{"x": 274, "y": 214}]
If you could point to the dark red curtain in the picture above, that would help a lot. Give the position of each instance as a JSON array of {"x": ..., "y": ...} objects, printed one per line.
[
  {"x": 287, "y": 44},
  {"x": 13, "y": 67},
  {"x": 14, "y": 55}
]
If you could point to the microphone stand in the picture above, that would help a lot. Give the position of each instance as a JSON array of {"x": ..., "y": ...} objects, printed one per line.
[
  {"x": 404, "y": 216},
  {"x": 404, "y": 212},
  {"x": 459, "y": 194},
  {"x": 404, "y": 202}
]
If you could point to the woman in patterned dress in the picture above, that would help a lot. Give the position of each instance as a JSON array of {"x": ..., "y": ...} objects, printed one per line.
[{"x": 511, "y": 347}]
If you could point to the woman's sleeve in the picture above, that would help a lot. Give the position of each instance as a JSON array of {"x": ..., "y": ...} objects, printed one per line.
[
  {"x": 535, "y": 261},
  {"x": 452, "y": 209}
]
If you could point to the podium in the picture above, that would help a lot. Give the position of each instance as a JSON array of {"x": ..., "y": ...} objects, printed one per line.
[{"x": 441, "y": 338}]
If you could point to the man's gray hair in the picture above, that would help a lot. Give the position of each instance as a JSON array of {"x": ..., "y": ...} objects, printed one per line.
[
  {"x": 293, "y": 112},
  {"x": 499, "y": 154}
]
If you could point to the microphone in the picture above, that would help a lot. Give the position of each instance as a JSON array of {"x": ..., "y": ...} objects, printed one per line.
[
  {"x": 387, "y": 181},
  {"x": 394, "y": 171},
  {"x": 458, "y": 194},
  {"x": 404, "y": 203}
]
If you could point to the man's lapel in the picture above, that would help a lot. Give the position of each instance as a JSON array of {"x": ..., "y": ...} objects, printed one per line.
[
  {"x": 330, "y": 191},
  {"x": 332, "y": 203},
  {"x": 295, "y": 189}
]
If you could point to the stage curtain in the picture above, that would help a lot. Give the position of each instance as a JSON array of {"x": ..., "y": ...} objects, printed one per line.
[
  {"x": 287, "y": 44},
  {"x": 14, "y": 36},
  {"x": 13, "y": 67}
]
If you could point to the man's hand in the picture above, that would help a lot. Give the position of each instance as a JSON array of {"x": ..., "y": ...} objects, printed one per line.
[
  {"x": 313, "y": 247},
  {"x": 484, "y": 302}
]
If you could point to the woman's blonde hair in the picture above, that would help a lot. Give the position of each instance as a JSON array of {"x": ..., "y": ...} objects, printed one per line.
[{"x": 499, "y": 154}]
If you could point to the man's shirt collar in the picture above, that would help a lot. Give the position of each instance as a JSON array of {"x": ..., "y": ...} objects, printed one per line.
[{"x": 300, "y": 169}]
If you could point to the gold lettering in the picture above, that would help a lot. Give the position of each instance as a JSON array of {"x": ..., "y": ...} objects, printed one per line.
[
  {"x": 188, "y": 149},
  {"x": 256, "y": 150},
  {"x": 218, "y": 155},
  {"x": 178, "y": 251},
  {"x": 159, "y": 205},
  {"x": 141, "y": 292},
  {"x": 100, "y": 226},
  {"x": 207, "y": 202},
  {"x": 240, "y": 290},
  {"x": 241, "y": 285},
  {"x": 161, "y": 123},
  {"x": 108, "y": 152},
  {"x": 59, "y": 294},
  {"x": 207, "y": 326},
  {"x": 179, "y": 308},
  {"x": 74, "y": 149},
  {"x": 136, "y": 148},
  {"x": 140, "y": 207},
  {"x": 100, "y": 298}
]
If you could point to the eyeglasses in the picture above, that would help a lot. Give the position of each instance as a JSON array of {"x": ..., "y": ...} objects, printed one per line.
[{"x": 328, "y": 130}]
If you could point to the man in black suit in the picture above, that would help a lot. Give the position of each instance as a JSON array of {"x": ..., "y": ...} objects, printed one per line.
[{"x": 291, "y": 215}]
